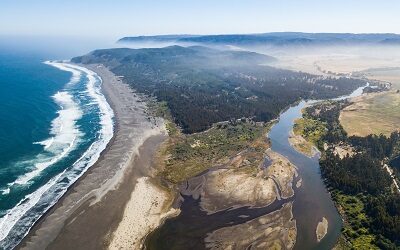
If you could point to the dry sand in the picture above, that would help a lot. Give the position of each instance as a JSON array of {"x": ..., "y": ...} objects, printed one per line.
[
  {"x": 106, "y": 197},
  {"x": 322, "y": 229},
  {"x": 140, "y": 218},
  {"x": 236, "y": 189},
  {"x": 282, "y": 171}
]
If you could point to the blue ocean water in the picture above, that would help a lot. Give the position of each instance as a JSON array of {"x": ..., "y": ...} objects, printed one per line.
[{"x": 54, "y": 123}]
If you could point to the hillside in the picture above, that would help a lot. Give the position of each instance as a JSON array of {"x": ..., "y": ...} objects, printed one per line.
[{"x": 202, "y": 86}]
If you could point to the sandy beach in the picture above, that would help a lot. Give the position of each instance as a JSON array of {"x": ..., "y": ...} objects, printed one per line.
[{"x": 115, "y": 204}]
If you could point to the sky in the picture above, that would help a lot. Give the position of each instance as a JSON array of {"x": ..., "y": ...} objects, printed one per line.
[
  {"x": 65, "y": 28},
  {"x": 112, "y": 19}
]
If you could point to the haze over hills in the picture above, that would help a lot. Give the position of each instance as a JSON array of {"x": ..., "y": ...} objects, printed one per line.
[
  {"x": 274, "y": 38},
  {"x": 202, "y": 86},
  {"x": 176, "y": 125}
]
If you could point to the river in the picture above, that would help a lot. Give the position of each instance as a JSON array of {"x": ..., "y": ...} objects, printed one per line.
[{"x": 311, "y": 203}]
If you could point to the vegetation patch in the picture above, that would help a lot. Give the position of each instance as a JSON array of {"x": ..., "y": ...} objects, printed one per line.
[
  {"x": 310, "y": 129},
  {"x": 356, "y": 225},
  {"x": 189, "y": 155},
  {"x": 301, "y": 145}
]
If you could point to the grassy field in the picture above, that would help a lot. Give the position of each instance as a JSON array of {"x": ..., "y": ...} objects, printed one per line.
[{"x": 372, "y": 114}]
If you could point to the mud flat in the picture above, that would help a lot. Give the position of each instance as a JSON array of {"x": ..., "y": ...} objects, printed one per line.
[
  {"x": 96, "y": 211},
  {"x": 276, "y": 230},
  {"x": 254, "y": 204},
  {"x": 225, "y": 188}
]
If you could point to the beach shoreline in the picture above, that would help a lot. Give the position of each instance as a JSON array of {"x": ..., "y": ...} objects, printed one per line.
[{"x": 91, "y": 212}]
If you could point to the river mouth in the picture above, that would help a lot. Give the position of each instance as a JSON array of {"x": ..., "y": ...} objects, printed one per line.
[
  {"x": 191, "y": 227},
  {"x": 311, "y": 201}
]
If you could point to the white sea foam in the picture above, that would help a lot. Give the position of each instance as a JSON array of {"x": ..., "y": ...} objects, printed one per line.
[
  {"x": 5, "y": 191},
  {"x": 12, "y": 216},
  {"x": 46, "y": 143},
  {"x": 106, "y": 120},
  {"x": 76, "y": 74},
  {"x": 64, "y": 136},
  {"x": 106, "y": 113},
  {"x": 68, "y": 131}
]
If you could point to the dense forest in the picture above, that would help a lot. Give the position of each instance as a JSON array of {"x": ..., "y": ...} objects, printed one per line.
[
  {"x": 202, "y": 86},
  {"x": 360, "y": 174}
]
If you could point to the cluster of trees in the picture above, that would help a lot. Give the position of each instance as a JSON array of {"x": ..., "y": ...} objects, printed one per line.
[
  {"x": 202, "y": 86},
  {"x": 355, "y": 174},
  {"x": 362, "y": 173},
  {"x": 378, "y": 146},
  {"x": 395, "y": 164},
  {"x": 328, "y": 113},
  {"x": 385, "y": 213}
]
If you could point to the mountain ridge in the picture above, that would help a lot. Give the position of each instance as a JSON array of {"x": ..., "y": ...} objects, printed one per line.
[{"x": 274, "y": 38}]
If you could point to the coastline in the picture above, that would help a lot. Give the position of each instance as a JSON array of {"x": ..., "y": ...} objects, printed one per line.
[{"x": 108, "y": 187}]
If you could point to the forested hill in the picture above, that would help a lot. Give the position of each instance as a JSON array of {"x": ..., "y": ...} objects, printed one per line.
[{"x": 202, "y": 86}]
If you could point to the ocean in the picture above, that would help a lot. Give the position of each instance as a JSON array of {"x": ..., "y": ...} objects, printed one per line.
[{"x": 54, "y": 123}]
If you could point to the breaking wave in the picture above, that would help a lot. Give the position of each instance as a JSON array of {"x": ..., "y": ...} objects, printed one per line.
[{"x": 66, "y": 136}]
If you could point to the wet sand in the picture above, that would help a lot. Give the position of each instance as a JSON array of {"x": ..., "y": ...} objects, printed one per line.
[
  {"x": 96, "y": 206},
  {"x": 231, "y": 207},
  {"x": 275, "y": 230}
]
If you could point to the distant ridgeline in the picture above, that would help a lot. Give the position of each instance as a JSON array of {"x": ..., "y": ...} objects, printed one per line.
[
  {"x": 275, "y": 38},
  {"x": 202, "y": 86}
]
